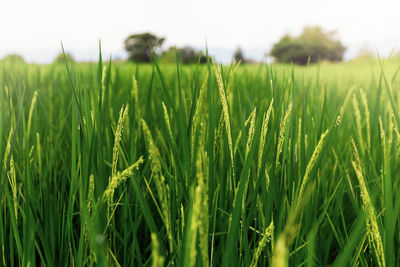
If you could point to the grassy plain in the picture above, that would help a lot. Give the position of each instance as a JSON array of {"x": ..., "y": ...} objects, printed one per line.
[{"x": 129, "y": 165}]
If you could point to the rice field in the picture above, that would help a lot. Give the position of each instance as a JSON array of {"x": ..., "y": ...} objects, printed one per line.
[{"x": 200, "y": 165}]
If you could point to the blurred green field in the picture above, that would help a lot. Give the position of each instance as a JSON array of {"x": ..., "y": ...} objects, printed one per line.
[{"x": 255, "y": 165}]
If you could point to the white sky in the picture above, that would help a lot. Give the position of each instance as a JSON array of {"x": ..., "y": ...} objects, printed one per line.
[{"x": 35, "y": 28}]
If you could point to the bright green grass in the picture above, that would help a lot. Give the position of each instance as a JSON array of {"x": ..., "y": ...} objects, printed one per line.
[{"x": 75, "y": 190}]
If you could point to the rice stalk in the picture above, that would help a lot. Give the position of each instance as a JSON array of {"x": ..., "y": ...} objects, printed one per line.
[
  {"x": 194, "y": 225},
  {"x": 374, "y": 236},
  {"x": 202, "y": 180},
  {"x": 281, "y": 251}
]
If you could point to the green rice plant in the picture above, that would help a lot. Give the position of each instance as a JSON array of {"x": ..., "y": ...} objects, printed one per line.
[{"x": 233, "y": 156}]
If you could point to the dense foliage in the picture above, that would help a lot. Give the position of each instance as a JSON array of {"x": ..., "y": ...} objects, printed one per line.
[
  {"x": 13, "y": 59},
  {"x": 185, "y": 55},
  {"x": 62, "y": 57},
  {"x": 312, "y": 45},
  {"x": 238, "y": 56},
  {"x": 131, "y": 165},
  {"x": 140, "y": 46}
]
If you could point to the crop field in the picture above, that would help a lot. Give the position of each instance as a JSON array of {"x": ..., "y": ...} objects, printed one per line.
[{"x": 122, "y": 164}]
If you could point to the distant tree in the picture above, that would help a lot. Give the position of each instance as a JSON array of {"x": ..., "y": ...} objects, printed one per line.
[
  {"x": 60, "y": 58},
  {"x": 238, "y": 55},
  {"x": 13, "y": 58},
  {"x": 312, "y": 45},
  {"x": 187, "y": 55},
  {"x": 139, "y": 46}
]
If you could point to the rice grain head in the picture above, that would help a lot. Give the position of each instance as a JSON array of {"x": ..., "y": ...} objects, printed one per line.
[
  {"x": 237, "y": 142},
  {"x": 310, "y": 166},
  {"x": 39, "y": 155},
  {"x": 12, "y": 178},
  {"x": 197, "y": 113},
  {"x": 103, "y": 82},
  {"x": 264, "y": 130},
  {"x": 135, "y": 92},
  {"x": 119, "y": 178},
  {"x": 298, "y": 140},
  {"x": 267, "y": 236},
  {"x": 390, "y": 128},
  {"x": 123, "y": 114},
  {"x": 203, "y": 217},
  {"x": 364, "y": 102},
  {"x": 166, "y": 117},
  {"x": 32, "y": 107},
  {"x": 357, "y": 114},
  {"x": 251, "y": 131},
  {"x": 225, "y": 111},
  {"x": 90, "y": 193},
  {"x": 281, "y": 137},
  {"x": 8, "y": 149}
]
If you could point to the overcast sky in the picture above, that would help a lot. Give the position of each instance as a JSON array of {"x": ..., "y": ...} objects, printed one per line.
[{"x": 35, "y": 28}]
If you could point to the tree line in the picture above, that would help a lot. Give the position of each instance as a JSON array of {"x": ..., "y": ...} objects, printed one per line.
[{"x": 312, "y": 45}]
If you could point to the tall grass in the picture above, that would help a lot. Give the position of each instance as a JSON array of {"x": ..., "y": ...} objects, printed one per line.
[{"x": 210, "y": 165}]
